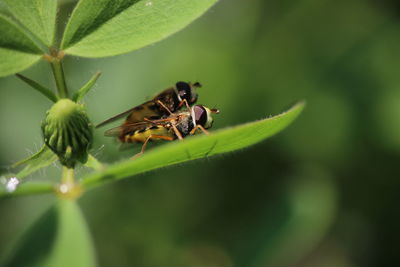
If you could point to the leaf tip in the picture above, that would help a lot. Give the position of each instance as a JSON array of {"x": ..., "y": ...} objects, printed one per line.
[{"x": 298, "y": 107}]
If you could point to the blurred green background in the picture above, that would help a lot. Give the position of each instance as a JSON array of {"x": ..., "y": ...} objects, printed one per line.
[{"x": 322, "y": 193}]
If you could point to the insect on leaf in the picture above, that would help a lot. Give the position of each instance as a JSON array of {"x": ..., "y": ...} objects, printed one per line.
[
  {"x": 110, "y": 27},
  {"x": 201, "y": 146},
  {"x": 196, "y": 147}
]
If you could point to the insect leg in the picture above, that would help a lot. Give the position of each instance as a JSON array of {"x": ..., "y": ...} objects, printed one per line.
[
  {"x": 152, "y": 136},
  {"x": 184, "y": 101},
  {"x": 177, "y": 132},
  {"x": 164, "y": 106},
  {"x": 199, "y": 127}
]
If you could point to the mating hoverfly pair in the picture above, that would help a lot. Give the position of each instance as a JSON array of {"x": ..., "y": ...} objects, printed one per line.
[{"x": 170, "y": 115}]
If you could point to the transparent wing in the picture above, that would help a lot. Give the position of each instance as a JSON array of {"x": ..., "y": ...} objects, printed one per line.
[
  {"x": 137, "y": 126},
  {"x": 127, "y": 128},
  {"x": 116, "y": 117},
  {"x": 146, "y": 110}
]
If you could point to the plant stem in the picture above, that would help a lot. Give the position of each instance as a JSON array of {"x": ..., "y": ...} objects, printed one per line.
[
  {"x": 68, "y": 176},
  {"x": 58, "y": 72},
  {"x": 68, "y": 189}
]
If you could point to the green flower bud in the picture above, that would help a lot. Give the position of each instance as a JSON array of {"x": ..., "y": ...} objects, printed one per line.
[{"x": 67, "y": 131}]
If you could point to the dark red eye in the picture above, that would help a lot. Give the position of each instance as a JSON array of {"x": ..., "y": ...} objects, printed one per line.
[{"x": 200, "y": 115}]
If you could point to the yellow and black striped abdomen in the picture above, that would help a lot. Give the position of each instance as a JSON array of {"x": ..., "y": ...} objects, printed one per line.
[{"x": 140, "y": 136}]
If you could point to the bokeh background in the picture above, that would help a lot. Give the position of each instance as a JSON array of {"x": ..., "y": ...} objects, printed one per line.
[{"x": 325, "y": 192}]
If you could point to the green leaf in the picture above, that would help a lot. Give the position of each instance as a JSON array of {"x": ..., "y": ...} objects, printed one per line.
[
  {"x": 13, "y": 61},
  {"x": 41, "y": 159},
  {"x": 72, "y": 245},
  {"x": 59, "y": 238},
  {"x": 311, "y": 207},
  {"x": 17, "y": 50},
  {"x": 218, "y": 142},
  {"x": 192, "y": 148},
  {"x": 110, "y": 27},
  {"x": 39, "y": 16},
  {"x": 12, "y": 184}
]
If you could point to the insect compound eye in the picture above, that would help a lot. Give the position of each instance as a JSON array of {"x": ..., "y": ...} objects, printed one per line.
[
  {"x": 200, "y": 115},
  {"x": 184, "y": 90}
]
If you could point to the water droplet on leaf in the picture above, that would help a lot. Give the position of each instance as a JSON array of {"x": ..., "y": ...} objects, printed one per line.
[{"x": 11, "y": 184}]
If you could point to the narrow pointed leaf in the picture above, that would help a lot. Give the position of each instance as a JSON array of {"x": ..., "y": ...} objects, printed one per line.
[
  {"x": 40, "y": 88},
  {"x": 17, "y": 50},
  {"x": 41, "y": 159},
  {"x": 217, "y": 142},
  {"x": 192, "y": 148},
  {"x": 60, "y": 238},
  {"x": 80, "y": 94},
  {"x": 39, "y": 16},
  {"x": 109, "y": 27}
]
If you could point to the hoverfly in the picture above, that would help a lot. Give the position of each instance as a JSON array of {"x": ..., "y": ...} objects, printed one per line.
[
  {"x": 171, "y": 99},
  {"x": 174, "y": 126}
]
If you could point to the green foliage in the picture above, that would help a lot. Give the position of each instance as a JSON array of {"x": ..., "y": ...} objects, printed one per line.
[
  {"x": 17, "y": 50},
  {"x": 95, "y": 29},
  {"x": 14, "y": 38},
  {"x": 109, "y": 27},
  {"x": 218, "y": 142},
  {"x": 41, "y": 159},
  {"x": 94, "y": 163},
  {"x": 13, "y": 61},
  {"x": 60, "y": 238},
  {"x": 311, "y": 200},
  {"x": 202, "y": 146},
  {"x": 39, "y": 16},
  {"x": 80, "y": 94},
  {"x": 72, "y": 239},
  {"x": 40, "y": 88},
  {"x": 31, "y": 188}
]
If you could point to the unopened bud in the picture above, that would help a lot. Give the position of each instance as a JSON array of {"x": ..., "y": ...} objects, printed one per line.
[{"x": 67, "y": 131}]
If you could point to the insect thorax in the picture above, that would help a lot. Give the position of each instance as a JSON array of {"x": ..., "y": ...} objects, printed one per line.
[
  {"x": 185, "y": 126},
  {"x": 170, "y": 99}
]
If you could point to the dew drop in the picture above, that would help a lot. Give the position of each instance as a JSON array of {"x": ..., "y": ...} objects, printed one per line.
[
  {"x": 11, "y": 184},
  {"x": 64, "y": 188},
  {"x": 69, "y": 190}
]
